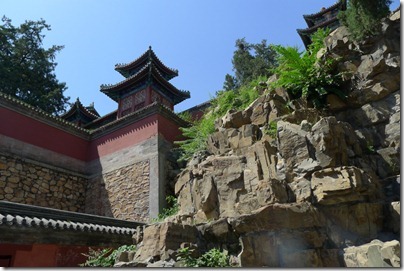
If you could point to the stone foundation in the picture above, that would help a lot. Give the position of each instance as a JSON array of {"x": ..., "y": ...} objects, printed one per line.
[
  {"x": 121, "y": 193},
  {"x": 29, "y": 182}
]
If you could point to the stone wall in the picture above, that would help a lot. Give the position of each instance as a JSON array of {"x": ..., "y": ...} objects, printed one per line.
[
  {"x": 26, "y": 181},
  {"x": 122, "y": 193}
]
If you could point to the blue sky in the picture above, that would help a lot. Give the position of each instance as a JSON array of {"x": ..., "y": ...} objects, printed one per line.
[{"x": 195, "y": 37}]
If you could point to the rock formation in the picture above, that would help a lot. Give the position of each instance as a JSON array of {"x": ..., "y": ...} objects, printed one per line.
[{"x": 320, "y": 191}]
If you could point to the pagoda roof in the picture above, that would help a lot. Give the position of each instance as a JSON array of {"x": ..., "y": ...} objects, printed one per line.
[
  {"x": 110, "y": 117},
  {"x": 149, "y": 56},
  {"x": 78, "y": 109},
  {"x": 306, "y": 33},
  {"x": 341, "y": 4},
  {"x": 149, "y": 74}
]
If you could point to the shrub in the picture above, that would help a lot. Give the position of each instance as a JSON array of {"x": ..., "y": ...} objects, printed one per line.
[
  {"x": 172, "y": 209},
  {"x": 212, "y": 258},
  {"x": 305, "y": 75},
  {"x": 196, "y": 135},
  {"x": 104, "y": 257},
  {"x": 272, "y": 129},
  {"x": 363, "y": 17}
]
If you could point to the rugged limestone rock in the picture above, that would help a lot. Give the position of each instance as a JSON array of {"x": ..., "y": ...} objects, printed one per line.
[
  {"x": 373, "y": 254},
  {"x": 161, "y": 240},
  {"x": 372, "y": 66},
  {"x": 342, "y": 184},
  {"x": 328, "y": 143},
  {"x": 315, "y": 194},
  {"x": 351, "y": 224},
  {"x": 281, "y": 235},
  {"x": 393, "y": 217},
  {"x": 278, "y": 216},
  {"x": 231, "y": 185}
]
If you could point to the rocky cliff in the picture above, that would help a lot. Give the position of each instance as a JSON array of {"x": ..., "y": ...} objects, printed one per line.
[{"x": 283, "y": 184}]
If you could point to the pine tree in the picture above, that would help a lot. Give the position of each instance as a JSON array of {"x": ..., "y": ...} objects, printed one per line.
[
  {"x": 363, "y": 17},
  {"x": 249, "y": 62},
  {"x": 27, "y": 69}
]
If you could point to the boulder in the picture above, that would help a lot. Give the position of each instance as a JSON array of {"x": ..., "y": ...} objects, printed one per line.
[
  {"x": 260, "y": 111},
  {"x": 342, "y": 184},
  {"x": 393, "y": 217},
  {"x": 233, "y": 139},
  {"x": 236, "y": 119},
  {"x": 327, "y": 138},
  {"x": 278, "y": 216},
  {"x": 292, "y": 145},
  {"x": 260, "y": 165},
  {"x": 161, "y": 239},
  {"x": 301, "y": 189},
  {"x": 373, "y": 254},
  {"x": 218, "y": 232},
  {"x": 350, "y": 224},
  {"x": 286, "y": 248}
]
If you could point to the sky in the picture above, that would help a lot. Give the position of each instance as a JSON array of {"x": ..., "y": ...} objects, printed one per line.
[{"x": 195, "y": 37}]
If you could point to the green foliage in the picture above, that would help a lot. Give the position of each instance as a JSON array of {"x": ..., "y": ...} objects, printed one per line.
[
  {"x": 212, "y": 258},
  {"x": 98, "y": 258},
  {"x": 370, "y": 148},
  {"x": 250, "y": 61},
  {"x": 272, "y": 129},
  {"x": 104, "y": 257},
  {"x": 196, "y": 136},
  {"x": 172, "y": 209},
  {"x": 27, "y": 69},
  {"x": 185, "y": 116},
  {"x": 363, "y": 17},
  {"x": 198, "y": 133},
  {"x": 305, "y": 75}
]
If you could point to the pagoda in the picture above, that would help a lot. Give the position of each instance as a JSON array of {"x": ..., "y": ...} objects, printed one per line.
[
  {"x": 81, "y": 115},
  {"x": 326, "y": 18},
  {"x": 146, "y": 82}
]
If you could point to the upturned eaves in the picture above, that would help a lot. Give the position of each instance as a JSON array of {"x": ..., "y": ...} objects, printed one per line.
[
  {"x": 137, "y": 64},
  {"x": 147, "y": 73},
  {"x": 78, "y": 107}
]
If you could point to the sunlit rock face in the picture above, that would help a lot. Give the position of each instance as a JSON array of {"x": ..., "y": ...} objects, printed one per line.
[{"x": 318, "y": 189}]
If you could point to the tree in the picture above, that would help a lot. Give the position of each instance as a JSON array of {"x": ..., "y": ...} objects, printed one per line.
[
  {"x": 363, "y": 17},
  {"x": 27, "y": 69},
  {"x": 249, "y": 62}
]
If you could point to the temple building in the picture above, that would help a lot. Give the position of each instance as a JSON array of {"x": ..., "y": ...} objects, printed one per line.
[
  {"x": 146, "y": 82},
  {"x": 60, "y": 176},
  {"x": 326, "y": 18},
  {"x": 81, "y": 115}
]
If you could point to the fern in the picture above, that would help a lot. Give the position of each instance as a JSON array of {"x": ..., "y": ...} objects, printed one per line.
[{"x": 304, "y": 75}]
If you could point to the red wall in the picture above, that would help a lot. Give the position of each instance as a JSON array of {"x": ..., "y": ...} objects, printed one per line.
[
  {"x": 29, "y": 130},
  {"x": 32, "y": 131},
  {"x": 169, "y": 129},
  {"x": 125, "y": 137},
  {"x": 44, "y": 255}
]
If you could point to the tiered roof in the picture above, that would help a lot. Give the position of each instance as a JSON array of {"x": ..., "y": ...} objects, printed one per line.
[
  {"x": 81, "y": 114},
  {"x": 319, "y": 20},
  {"x": 149, "y": 56},
  {"x": 145, "y": 71}
]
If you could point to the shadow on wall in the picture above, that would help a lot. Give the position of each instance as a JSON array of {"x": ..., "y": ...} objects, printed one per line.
[
  {"x": 97, "y": 200},
  {"x": 121, "y": 193}
]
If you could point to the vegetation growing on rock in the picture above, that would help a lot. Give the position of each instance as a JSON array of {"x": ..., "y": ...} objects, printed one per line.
[
  {"x": 306, "y": 75},
  {"x": 211, "y": 258},
  {"x": 363, "y": 17},
  {"x": 199, "y": 131},
  {"x": 105, "y": 257}
]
